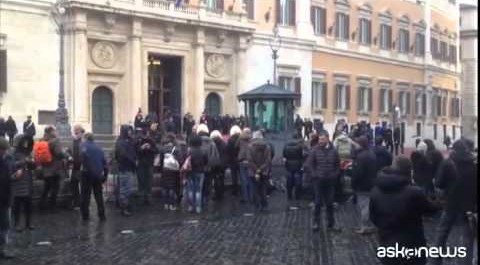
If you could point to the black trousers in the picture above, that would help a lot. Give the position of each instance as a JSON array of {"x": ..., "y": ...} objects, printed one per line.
[
  {"x": 397, "y": 147},
  {"x": 219, "y": 182},
  {"x": 51, "y": 186},
  {"x": 26, "y": 203},
  {"x": 389, "y": 146},
  {"x": 10, "y": 139},
  {"x": 324, "y": 192},
  {"x": 260, "y": 191},
  {"x": 234, "y": 173},
  {"x": 88, "y": 185},
  {"x": 75, "y": 187}
]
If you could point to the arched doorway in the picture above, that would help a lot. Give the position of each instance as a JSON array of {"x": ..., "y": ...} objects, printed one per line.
[
  {"x": 213, "y": 104},
  {"x": 102, "y": 111}
]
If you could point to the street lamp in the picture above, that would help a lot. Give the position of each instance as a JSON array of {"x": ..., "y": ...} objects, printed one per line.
[
  {"x": 61, "y": 114},
  {"x": 275, "y": 43}
]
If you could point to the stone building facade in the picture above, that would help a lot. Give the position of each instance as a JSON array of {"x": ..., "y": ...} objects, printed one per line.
[{"x": 349, "y": 59}]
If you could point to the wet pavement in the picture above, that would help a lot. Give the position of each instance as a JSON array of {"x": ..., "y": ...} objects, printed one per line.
[{"x": 225, "y": 234}]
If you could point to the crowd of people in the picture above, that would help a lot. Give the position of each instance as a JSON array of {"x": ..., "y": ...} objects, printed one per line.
[{"x": 392, "y": 193}]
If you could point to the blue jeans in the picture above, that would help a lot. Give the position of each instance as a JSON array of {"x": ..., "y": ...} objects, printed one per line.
[
  {"x": 245, "y": 181},
  {"x": 448, "y": 220},
  {"x": 125, "y": 182},
  {"x": 294, "y": 182},
  {"x": 169, "y": 196},
  {"x": 195, "y": 186}
]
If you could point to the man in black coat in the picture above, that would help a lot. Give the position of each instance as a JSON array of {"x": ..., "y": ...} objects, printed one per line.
[
  {"x": 457, "y": 176},
  {"x": 293, "y": 154},
  {"x": 388, "y": 138},
  {"x": 384, "y": 158},
  {"x": 6, "y": 171},
  {"x": 146, "y": 151},
  {"x": 396, "y": 209},
  {"x": 126, "y": 158},
  {"x": 29, "y": 127},
  {"x": 323, "y": 166},
  {"x": 364, "y": 172}
]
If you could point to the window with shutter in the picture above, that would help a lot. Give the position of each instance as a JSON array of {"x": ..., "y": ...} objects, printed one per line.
[
  {"x": 408, "y": 105},
  {"x": 337, "y": 95},
  {"x": 347, "y": 97},
  {"x": 318, "y": 17},
  {"x": 382, "y": 100},
  {"x": 324, "y": 95},
  {"x": 370, "y": 98},
  {"x": 292, "y": 11},
  {"x": 424, "y": 104},
  {"x": 279, "y": 12},
  {"x": 298, "y": 90},
  {"x": 346, "y": 33},
  {"x": 3, "y": 71},
  {"x": 390, "y": 100},
  {"x": 250, "y": 5},
  {"x": 360, "y": 99},
  {"x": 220, "y": 5}
]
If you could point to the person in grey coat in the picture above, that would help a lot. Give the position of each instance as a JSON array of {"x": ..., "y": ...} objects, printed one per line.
[{"x": 22, "y": 186}]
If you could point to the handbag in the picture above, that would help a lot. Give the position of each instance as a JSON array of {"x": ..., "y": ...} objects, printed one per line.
[{"x": 169, "y": 161}]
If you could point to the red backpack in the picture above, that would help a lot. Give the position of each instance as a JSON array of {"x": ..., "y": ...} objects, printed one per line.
[{"x": 42, "y": 153}]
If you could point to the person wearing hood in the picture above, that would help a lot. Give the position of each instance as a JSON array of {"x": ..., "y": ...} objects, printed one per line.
[
  {"x": 434, "y": 156},
  {"x": 242, "y": 158},
  {"x": 293, "y": 154},
  {"x": 383, "y": 157},
  {"x": 94, "y": 174},
  {"x": 231, "y": 153},
  {"x": 53, "y": 171},
  {"x": 396, "y": 209},
  {"x": 209, "y": 148},
  {"x": 218, "y": 171},
  {"x": 422, "y": 173},
  {"x": 22, "y": 187},
  {"x": 457, "y": 176},
  {"x": 323, "y": 166},
  {"x": 7, "y": 170},
  {"x": 125, "y": 155},
  {"x": 364, "y": 172},
  {"x": 259, "y": 165}
]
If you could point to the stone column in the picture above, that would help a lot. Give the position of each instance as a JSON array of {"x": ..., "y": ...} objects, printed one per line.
[
  {"x": 303, "y": 23},
  {"x": 199, "y": 72},
  {"x": 81, "y": 99},
  {"x": 137, "y": 96},
  {"x": 240, "y": 69}
]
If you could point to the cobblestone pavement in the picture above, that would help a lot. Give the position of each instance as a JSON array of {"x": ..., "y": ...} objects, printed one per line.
[{"x": 223, "y": 235}]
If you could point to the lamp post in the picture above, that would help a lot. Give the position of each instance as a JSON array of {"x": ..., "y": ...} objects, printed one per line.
[
  {"x": 61, "y": 113},
  {"x": 275, "y": 43}
]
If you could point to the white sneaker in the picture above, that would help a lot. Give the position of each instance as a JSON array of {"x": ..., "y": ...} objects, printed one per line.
[{"x": 173, "y": 208}]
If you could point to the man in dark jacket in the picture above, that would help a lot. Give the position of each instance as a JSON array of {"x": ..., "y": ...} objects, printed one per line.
[
  {"x": 76, "y": 162},
  {"x": 308, "y": 128},
  {"x": 396, "y": 209},
  {"x": 293, "y": 154},
  {"x": 364, "y": 172},
  {"x": 29, "y": 127},
  {"x": 11, "y": 129},
  {"x": 126, "y": 158},
  {"x": 198, "y": 163},
  {"x": 384, "y": 158},
  {"x": 3, "y": 127},
  {"x": 54, "y": 171},
  {"x": 6, "y": 171},
  {"x": 298, "y": 124},
  {"x": 457, "y": 176},
  {"x": 259, "y": 163},
  {"x": 146, "y": 151},
  {"x": 323, "y": 165},
  {"x": 388, "y": 138},
  {"x": 94, "y": 174}
]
